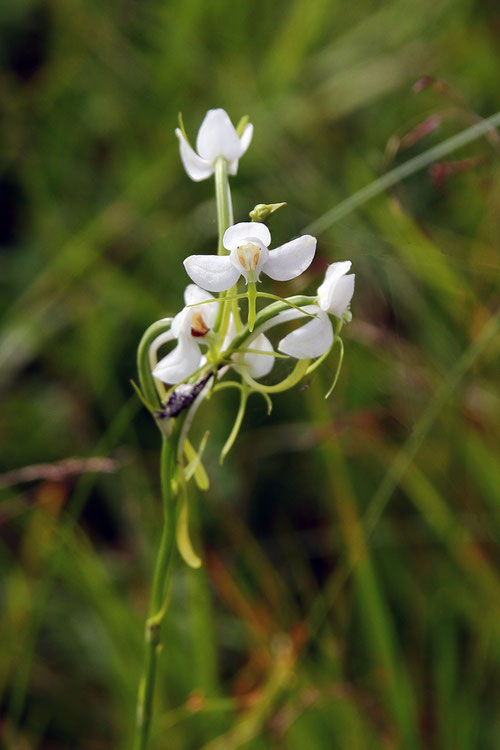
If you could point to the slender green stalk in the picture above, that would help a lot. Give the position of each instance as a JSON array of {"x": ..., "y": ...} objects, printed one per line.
[
  {"x": 237, "y": 423},
  {"x": 263, "y": 316},
  {"x": 158, "y": 605},
  {"x": 224, "y": 220},
  {"x": 223, "y": 201},
  {"x": 399, "y": 173}
]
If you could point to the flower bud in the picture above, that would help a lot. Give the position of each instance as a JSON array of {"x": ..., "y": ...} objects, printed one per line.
[{"x": 263, "y": 210}]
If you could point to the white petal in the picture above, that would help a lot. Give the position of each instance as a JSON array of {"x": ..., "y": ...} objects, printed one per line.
[
  {"x": 344, "y": 289},
  {"x": 213, "y": 272},
  {"x": 196, "y": 167},
  {"x": 259, "y": 364},
  {"x": 291, "y": 259},
  {"x": 179, "y": 363},
  {"x": 209, "y": 314},
  {"x": 181, "y": 324},
  {"x": 333, "y": 274},
  {"x": 232, "y": 167},
  {"x": 193, "y": 295},
  {"x": 335, "y": 270},
  {"x": 246, "y": 138},
  {"x": 311, "y": 340},
  {"x": 217, "y": 137},
  {"x": 245, "y": 231}
]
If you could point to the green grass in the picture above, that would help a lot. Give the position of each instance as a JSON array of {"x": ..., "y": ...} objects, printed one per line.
[{"x": 349, "y": 596}]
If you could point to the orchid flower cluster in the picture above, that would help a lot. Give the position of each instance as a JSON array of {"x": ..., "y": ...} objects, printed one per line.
[{"x": 215, "y": 345}]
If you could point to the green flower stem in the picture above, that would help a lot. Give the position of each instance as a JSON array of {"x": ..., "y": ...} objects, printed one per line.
[
  {"x": 262, "y": 317},
  {"x": 235, "y": 309},
  {"x": 225, "y": 309},
  {"x": 287, "y": 300},
  {"x": 223, "y": 201},
  {"x": 224, "y": 220},
  {"x": 161, "y": 580}
]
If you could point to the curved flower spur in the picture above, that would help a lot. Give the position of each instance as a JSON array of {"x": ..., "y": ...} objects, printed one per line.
[{"x": 214, "y": 348}]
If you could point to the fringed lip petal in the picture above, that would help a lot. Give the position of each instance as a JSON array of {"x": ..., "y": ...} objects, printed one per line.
[
  {"x": 310, "y": 340},
  {"x": 215, "y": 273},
  {"x": 291, "y": 259},
  {"x": 196, "y": 167},
  {"x": 218, "y": 137}
]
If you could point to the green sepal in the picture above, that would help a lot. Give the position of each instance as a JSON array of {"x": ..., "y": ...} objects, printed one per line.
[
  {"x": 182, "y": 128},
  {"x": 237, "y": 424},
  {"x": 267, "y": 399},
  {"x": 339, "y": 365},
  {"x": 347, "y": 315},
  {"x": 240, "y": 127},
  {"x": 184, "y": 544},
  {"x": 245, "y": 394},
  {"x": 195, "y": 466},
  {"x": 142, "y": 398}
]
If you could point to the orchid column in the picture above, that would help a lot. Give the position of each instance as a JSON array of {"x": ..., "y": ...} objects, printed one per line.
[{"x": 214, "y": 349}]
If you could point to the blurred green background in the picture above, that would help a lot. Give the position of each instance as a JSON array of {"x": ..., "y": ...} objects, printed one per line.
[{"x": 350, "y": 597}]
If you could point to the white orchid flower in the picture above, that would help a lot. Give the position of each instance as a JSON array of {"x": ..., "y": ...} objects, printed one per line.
[
  {"x": 336, "y": 291},
  {"x": 249, "y": 255},
  {"x": 192, "y": 327},
  {"x": 334, "y": 295},
  {"x": 216, "y": 137}
]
